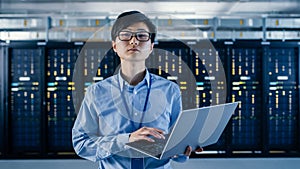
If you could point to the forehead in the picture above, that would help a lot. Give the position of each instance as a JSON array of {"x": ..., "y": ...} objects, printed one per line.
[{"x": 139, "y": 26}]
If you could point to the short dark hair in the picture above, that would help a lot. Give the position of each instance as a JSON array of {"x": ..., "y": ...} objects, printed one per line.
[{"x": 129, "y": 18}]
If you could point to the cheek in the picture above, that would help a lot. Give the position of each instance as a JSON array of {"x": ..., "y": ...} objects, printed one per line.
[
  {"x": 120, "y": 47},
  {"x": 147, "y": 47}
]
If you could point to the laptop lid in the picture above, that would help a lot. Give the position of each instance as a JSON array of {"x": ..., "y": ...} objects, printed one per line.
[
  {"x": 198, "y": 127},
  {"x": 195, "y": 127}
]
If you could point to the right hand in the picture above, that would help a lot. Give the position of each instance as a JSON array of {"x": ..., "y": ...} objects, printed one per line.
[{"x": 144, "y": 133}]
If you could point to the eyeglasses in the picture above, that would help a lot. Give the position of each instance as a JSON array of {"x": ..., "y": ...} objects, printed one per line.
[{"x": 142, "y": 36}]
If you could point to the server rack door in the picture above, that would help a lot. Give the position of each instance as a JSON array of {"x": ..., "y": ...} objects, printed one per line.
[
  {"x": 210, "y": 72},
  {"x": 25, "y": 97},
  {"x": 60, "y": 61},
  {"x": 246, "y": 87},
  {"x": 283, "y": 97}
]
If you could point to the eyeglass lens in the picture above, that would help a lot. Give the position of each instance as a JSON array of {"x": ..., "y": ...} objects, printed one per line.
[{"x": 140, "y": 36}]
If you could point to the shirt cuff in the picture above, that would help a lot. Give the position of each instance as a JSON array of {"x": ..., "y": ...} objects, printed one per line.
[
  {"x": 123, "y": 138},
  {"x": 118, "y": 145}
]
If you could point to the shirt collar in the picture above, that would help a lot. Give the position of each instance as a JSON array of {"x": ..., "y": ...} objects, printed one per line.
[{"x": 122, "y": 81}]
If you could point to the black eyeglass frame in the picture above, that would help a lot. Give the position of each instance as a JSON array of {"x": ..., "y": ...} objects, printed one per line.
[{"x": 135, "y": 34}]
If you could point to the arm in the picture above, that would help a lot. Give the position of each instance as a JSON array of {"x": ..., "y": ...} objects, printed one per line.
[{"x": 87, "y": 141}]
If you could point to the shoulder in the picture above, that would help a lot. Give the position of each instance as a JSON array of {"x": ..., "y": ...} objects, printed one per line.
[
  {"x": 165, "y": 84},
  {"x": 102, "y": 86}
]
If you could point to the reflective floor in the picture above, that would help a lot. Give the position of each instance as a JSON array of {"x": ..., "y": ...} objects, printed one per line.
[{"x": 207, "y": 163}]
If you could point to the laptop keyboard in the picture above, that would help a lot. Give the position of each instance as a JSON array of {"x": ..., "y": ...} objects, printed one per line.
[{"x": 153, "y": 148}]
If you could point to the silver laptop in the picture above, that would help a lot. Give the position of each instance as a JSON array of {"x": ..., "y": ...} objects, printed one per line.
[{"x": 195, "y": 127}]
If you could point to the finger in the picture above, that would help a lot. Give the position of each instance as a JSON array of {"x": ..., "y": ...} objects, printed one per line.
[
  {"x": 159, "y": 131},
  {"x": 143, "y": 137},
  {"x": 188, "y": 151},
  {"x": 153, "y": 132},
  {"x": 140, "y": 137},
  {"x": 155, "y": 129},
  {"x": 199, "y": 149},
  {"x": 157, "y": 134}
]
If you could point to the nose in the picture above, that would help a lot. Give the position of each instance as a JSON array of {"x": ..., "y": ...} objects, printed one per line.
[{"x": 133, "y": 40}]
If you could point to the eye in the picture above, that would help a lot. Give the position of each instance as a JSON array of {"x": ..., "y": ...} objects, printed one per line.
[
  {"x": 125, "y": 35},
  {"x": 143, "y": 35}
]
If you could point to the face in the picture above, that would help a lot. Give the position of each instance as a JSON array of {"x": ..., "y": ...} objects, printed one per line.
[{"x": 133, "y": 50}]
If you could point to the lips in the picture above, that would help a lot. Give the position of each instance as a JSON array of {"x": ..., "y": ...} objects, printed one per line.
[{"x": 133, "y": 49}]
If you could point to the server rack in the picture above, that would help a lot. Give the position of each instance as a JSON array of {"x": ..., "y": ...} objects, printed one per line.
[
  {"x": 282, "y": 60},
  {"x": 25, "y": 99},
  {"x": 209, "y": 68},
  {"x": 245, "y": 64},
  {"x": 60, "y": 61}
]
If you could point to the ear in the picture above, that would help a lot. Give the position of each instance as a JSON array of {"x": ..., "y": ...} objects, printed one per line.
[
  {"x": 151, "y": 47},
  {"x": 114, "y": 45}
]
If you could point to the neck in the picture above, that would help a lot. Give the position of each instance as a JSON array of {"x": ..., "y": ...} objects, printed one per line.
[{"x": 133, "y": 73}]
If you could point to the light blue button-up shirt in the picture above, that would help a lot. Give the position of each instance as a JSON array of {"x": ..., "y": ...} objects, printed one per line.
[{"x": 104, "y": 122}]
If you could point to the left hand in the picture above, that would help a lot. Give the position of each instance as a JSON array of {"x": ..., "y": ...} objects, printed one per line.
[
  {"x": 184, "y": 157},
  {"x": 189, "y": 150}
]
